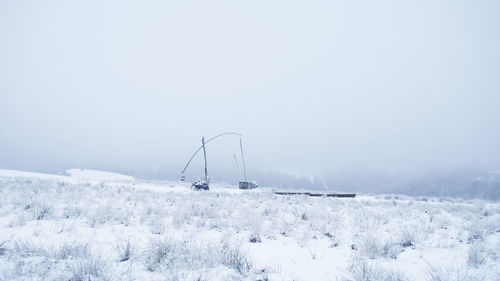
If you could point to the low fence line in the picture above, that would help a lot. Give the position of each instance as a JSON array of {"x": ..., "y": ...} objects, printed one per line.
[{"x": 340, "y": 195}]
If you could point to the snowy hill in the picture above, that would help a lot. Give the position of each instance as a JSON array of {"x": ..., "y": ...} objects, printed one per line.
[
  {"x": 72, "y": 175},
  {"x": 92, "y": 225},
  {"x": 97, "y": 175}
]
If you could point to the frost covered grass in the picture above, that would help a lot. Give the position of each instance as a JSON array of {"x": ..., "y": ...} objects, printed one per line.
[
  {"x": 51, "y": 229},
  {"x": 361, "y": 270}
]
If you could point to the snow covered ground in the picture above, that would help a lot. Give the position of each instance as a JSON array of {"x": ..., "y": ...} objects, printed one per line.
[{"x": 90, "y": 225}]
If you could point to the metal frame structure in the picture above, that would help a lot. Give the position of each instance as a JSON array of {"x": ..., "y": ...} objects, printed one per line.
[
  {"x": 203, "y": 184},
  {"x": 204, "y": 152}
]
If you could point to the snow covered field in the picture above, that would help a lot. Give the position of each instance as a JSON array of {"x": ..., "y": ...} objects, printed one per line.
[{"x": 91, "y": 225}]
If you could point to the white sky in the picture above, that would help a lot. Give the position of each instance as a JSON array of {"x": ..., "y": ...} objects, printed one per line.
[{"x": 313, "y": 85}]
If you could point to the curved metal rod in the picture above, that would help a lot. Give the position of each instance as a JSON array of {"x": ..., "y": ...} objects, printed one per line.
[{"x": 191, "y": 159}]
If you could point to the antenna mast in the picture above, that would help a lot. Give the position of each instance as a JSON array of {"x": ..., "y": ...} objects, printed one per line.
[
  {"x": 204, "y": 155},
  {"x": 243, "y": 159},
  {"x": 236, "y": 162}
]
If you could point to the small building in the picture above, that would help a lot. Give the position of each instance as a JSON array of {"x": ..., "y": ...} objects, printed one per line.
[{"x": 248, "y": 185}]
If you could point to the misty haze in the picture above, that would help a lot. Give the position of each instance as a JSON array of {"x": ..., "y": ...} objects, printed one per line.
[{"x": 109, "y": 169}]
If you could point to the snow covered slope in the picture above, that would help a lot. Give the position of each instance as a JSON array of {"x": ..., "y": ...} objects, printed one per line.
[
  {"x": 97, "y": 175},
  {"x": 94, "y": 225},
  {"x": 11, "y": 174},
  {"x": 73, "y": 175}
]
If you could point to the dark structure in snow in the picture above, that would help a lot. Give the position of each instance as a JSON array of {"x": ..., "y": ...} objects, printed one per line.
[
  {"x": 204, "y": 182},
  {"x": 340, "y": 195},
  {"x": 248, "y": 185}
]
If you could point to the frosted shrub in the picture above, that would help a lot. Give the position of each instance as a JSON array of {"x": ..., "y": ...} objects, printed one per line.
[
  {"x": 98, "y": 215},
  {"x": 391, "y": 250},
  {"x": 122, "y": 216},
  {"x": 40, "y": 209},
  {"x": 253, "y": 223},
  {"x": 407, "y": 238},
  {"x": 326, "y": 224},
  {"x": 91, "y": 269},
  {"x": 476, "y": 232},
  {"x": 125, "y": 250},
  {"x": 157, "y": 224},
  {"x": 3, "y": 245},
  {"x": 362, "y": 220},
  {"x": 269, "y": 211},
  {"x": 441, "y": 221},
  {"x": 361, "y": 270},
  {"x": 170, "y": 255},
  {"x": 72, "y": 212},
  {"x": 234, "y": 257},
  {"x": 452, "y": 274},
  {"x": 254, "y": 237},
  {"x": 28, "y": 249},
  {"x": 370, "y": 247},
  {"x": 70, "y": 251},
  {"x": 160, "y": 251},
  {"x": 375, "y": 247},
  {"x": 475, "y": 255},
  {"x": 181, "y": 216}
]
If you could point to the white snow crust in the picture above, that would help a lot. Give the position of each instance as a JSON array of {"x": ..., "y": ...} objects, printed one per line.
[
  {"x": 92, "y": 225},
  {"x": 94, "y": 175}
]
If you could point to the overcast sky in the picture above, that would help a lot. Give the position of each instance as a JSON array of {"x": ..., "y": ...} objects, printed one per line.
[{"x": 314, "y": 86}]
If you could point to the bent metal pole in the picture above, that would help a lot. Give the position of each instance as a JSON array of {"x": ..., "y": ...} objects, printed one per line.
[{"x": 199, "y": 148}]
